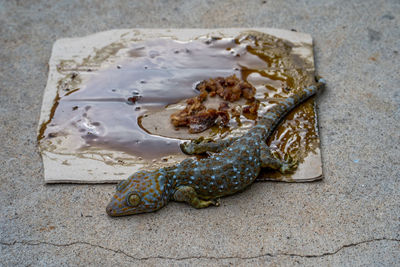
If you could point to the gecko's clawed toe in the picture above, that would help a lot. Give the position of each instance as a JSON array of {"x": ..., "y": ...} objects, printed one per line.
[
  {"x": 185, "y": 148},
  {"x": 289, "y": 166}
]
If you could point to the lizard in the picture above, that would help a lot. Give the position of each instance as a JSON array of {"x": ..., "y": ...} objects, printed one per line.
[{"x": 234, "y": 165}]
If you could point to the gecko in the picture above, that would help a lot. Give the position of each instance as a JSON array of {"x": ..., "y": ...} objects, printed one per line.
[{"x": 234, "y": 165}]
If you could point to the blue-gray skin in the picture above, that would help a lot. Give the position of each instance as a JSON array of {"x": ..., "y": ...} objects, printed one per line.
[{"x": 235, "y": 165}]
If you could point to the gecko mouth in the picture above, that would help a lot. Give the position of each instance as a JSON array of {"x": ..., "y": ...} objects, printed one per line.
[{"x": 111, "y": 211}]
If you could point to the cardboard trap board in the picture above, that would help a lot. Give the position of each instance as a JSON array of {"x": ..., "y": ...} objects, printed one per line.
[{"x": 109, "y": 96}]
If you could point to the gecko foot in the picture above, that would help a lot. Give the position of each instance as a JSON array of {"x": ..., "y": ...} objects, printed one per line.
[
  {"x": 188, "y": 194},
  {"x": 202, "y": 145},
  {"x": 274, "y": 162},
  {"x": 216, "y": 202},
  {"x": 289, "y": 165},
  {"x": 195, "y": 146}
]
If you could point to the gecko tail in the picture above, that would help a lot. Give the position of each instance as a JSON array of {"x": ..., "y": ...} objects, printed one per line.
[{"x": 272, "y": 118}]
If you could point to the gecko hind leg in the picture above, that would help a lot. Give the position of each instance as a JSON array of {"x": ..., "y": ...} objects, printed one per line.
[
  {"x": 202, "y": 145},
  {"x": 270, "y": 161},
  {"x": 188, "y": 194}
]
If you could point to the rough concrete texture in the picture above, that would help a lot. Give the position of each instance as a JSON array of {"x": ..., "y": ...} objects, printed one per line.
[{"x": 350, "y": 218}]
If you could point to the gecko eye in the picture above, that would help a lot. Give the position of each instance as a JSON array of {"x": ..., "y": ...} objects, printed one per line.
[
  {"x": 122, "y": 185},
  {"x": 133, "y": 200}
]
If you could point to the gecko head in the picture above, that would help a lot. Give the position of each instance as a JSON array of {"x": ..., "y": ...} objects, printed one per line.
[{"x": 142, "y": 192}]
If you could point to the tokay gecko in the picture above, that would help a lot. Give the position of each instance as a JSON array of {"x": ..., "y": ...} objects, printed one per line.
[{"x": 235, "y": 165}]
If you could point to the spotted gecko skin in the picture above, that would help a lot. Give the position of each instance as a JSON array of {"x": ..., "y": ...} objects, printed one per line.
[{"x": 200, "y": 182}]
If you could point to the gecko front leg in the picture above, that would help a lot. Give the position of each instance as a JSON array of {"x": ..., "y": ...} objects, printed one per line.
[
  {"x": 269, "y": 161},
  {"x": 203, "y": 145},
  {"x": 188, "y": 194}
]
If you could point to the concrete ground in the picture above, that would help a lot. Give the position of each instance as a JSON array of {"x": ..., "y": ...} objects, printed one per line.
[{"x": 350, "y": 218}]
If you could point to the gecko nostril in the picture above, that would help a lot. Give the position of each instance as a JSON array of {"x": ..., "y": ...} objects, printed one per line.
[{"x": 109, "y": 210}]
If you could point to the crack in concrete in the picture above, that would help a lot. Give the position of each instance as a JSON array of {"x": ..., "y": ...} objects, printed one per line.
[{"x": 38, "y": 243}]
